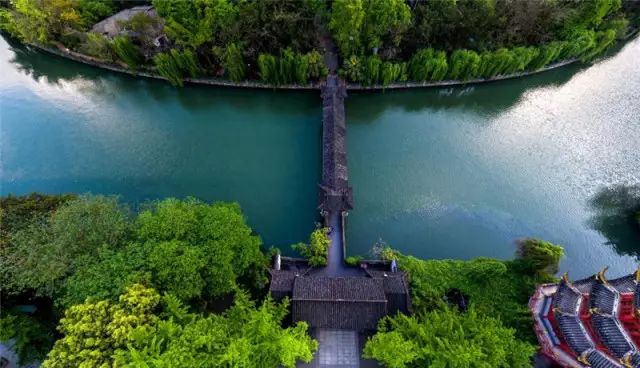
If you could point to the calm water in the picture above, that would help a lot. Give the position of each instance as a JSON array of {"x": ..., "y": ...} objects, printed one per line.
[
  {"x": 437, "y": 173},
  {"x": 67, "y": 127}
]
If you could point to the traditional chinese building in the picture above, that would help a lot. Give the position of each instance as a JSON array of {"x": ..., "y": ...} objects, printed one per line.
[
  {"x": 355, "y": 301},
  {"x": 593, "y": 322}
]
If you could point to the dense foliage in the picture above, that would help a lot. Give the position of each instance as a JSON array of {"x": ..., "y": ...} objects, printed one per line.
[
  {"x": 447, "y": 338},
  {"x": 381, "y": 42},
  {"x": 90, "y": 257},
  {"x": 143, "y": 329},
  {"x": 317, "y": 249},
  {"x": 464, "y": 40},
  {"x": 497, "y": 330}
]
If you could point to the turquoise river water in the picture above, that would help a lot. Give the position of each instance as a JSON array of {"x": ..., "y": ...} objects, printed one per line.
[{"x": 438, "y": 173}]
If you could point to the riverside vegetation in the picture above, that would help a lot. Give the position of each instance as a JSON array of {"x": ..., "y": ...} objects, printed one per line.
[
  {"x": 380, "y": 42},
  {"x": 182, "y": 283}
]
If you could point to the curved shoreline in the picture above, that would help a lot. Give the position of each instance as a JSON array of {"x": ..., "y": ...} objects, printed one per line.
[{"x": 88, "y": 60}]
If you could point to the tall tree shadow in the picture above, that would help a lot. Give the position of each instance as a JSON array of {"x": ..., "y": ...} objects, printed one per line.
[{"x": 616, "y": 209}]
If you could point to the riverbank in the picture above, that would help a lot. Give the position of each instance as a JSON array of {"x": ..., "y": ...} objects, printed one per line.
[{"x": 85, "y": 59}]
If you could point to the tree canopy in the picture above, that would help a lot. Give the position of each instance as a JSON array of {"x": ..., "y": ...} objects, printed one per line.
[
  {"x": 279, "y": 41},
  {"x": 447, "y": 338},
  {"x": 143, "y": 329}
]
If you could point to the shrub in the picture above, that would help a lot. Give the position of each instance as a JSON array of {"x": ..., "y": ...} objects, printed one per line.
[
  {"x": 317, "y": 249},
  {"x": 352, "y": 69},
  {"x": 542, "y": 256},
  {"x": 353, "y": 260},
  {"x": 317, "y": 68}
]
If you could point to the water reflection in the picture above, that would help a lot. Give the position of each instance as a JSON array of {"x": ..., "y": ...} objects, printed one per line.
[
  {"x": 615, "y": 210},
  {"x": 484, "y": 99},
  {"x": 61, "y": 73}
]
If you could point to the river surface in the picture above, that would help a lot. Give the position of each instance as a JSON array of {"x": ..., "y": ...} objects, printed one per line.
[{"x": 437, "y": 173}]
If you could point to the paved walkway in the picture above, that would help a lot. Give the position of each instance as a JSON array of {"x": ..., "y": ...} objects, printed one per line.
[
  {"x": 335, "y": 259},
  {"x": 338, "y": 349}
]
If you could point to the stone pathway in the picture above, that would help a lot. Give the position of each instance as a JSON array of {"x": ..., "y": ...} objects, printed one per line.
[{"x": 338, "y": 349}]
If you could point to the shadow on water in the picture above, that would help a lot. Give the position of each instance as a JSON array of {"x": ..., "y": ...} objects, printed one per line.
[
  {"x": 484, "y": 99},
  {"x": 55, "y": 70},
  {"x": 615, "y": 210}
]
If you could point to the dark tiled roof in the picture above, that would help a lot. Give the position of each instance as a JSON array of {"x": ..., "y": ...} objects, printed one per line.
[
  {"x": 394, "y": 282},
  {"x": 282, "y": 280},
  {"x": 338, "y": 289},
  {"x": 356, "y": 302},
  {"x": 348, "y": 315}
]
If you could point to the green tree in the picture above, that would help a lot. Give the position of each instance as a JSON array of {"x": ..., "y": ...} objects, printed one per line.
[
  {"x": 317, "y": 68},
  {"x": 542, "y": 256},
  {"x": 464, "y": 65},
  {"x": 233, "y": 62},
  {"x": 178, "y": 268},
  {"x": 372, "y": 67},
  {"x": 268, "y": 66},
  {"x": 95, "y": 332},
  {"x": 229, "y": 247},
  {"x": 578, "y": 44},
  {"x": 92, "y": 11},
  {"x": 352, "y": 69},
  {"x": 384, "y": 19},
  {"x": 191, "y": 24},
  {"x": 111, "y": 273},
  {"x": 477, "y": 279},
  {"x": 428, "y": 65},
  {"x": 302, "y": 68},
  {"x": 548, "y": 54},
  {"x": 127, "y": 52},
  {"x": 246, "y": 335},
  {"x": 176, "y": 65},
  {"x": 447, "y": 338},
  {"x": 45, "y": 252},
  {"x": 604, "y": 40},
  {"x": 98, "y": 46},
  {"x": 347, "y": 19},
  {"x": 317, "y": 249}
]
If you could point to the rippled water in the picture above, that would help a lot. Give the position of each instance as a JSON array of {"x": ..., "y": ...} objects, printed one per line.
[
  {"x": 453, "y": 172},
  {"x": 462, "y": 172}
]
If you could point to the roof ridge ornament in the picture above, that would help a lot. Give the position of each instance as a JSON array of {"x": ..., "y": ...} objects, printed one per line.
[
  {"x": 601, "y": 277},
  {"x": 626, "y": 360},
  {"x": 583, "y": 358}
]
